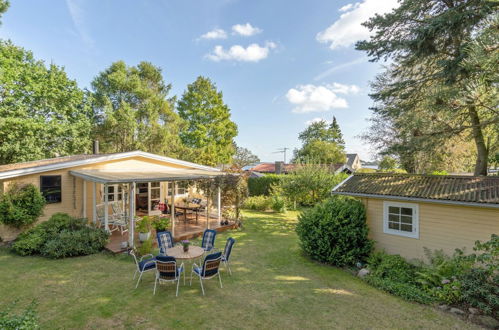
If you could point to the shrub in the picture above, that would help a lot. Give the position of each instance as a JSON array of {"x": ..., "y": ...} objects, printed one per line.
[
  {"x": 394, "y": 274},
  {"x": 335, "y": 231},
  {"x": 144, "y": 225},
  {"x": 277, "y": 200},
  {"x": 160, "y": 223},
  {"x": 21, "y": 205},
  {"x": 261, "y": 186},
  {"x": 28, "y": 319},
  {"x": 61, "y": 236},
  {"x": 145, "y": 247},
  {"x": 257, "y": 203}
]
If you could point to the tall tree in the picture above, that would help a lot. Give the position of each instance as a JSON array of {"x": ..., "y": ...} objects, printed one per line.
[
  {"x": 133, "y": 110},
  {"x": 322, "y": 143},
  {"x": 43, "y": 113},
  {"x": 210, "y": 132},
  {"x": 244, "y": 157},
  {"x": 423, "y": 93}
]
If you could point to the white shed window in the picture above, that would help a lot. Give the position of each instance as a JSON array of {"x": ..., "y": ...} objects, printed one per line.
[{"x": 401, "y": 219}]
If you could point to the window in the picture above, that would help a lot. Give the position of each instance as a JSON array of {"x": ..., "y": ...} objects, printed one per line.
[
  {"x": 114, "y": 193},
  {"x": 182, "y": 188},
  {"x": 401, "y": 219},
  {"x": 50, "y": 187}
]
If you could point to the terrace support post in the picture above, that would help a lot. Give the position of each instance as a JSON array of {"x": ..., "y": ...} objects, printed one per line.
[
  {"x": 219, "y": 203},
  {"x": 208, "y": 208},
  {"x": 84, "y": 202},
  {"x": 94, "y": 203},
  {"x": 106, "y": 208},
  {"x": 131, "y": 214},
  {"x": 172, "y": 208}
]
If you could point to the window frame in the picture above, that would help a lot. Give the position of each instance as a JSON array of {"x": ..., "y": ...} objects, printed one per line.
[
  {"x": 60, "y": 188},
  {"x": 415, "y": 219}
]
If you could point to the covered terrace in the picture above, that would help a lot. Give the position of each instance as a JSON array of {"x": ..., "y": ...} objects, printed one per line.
[{"x": 129, "y": 179}]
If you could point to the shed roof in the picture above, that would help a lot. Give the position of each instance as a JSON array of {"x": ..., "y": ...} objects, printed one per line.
[{"x": 449, "y": 189}]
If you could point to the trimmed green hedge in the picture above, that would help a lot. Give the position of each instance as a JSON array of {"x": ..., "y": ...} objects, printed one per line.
[{"x": 261, "y": 186}]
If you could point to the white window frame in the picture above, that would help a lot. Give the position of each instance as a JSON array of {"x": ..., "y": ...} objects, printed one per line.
[
  {"x": 415, "y": 219},
  {"x": 117, "y": 195}
]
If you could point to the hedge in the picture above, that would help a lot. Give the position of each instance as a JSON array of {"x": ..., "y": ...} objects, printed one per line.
[{"x": 261, "y": 186}]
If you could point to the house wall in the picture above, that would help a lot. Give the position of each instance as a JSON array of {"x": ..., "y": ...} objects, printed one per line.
[
  {"x": 441, "y": 227},
  {"x": 72, "y": 188}
]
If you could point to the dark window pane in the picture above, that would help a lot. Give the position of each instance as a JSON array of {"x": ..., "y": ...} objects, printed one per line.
[
  {"x": 405, "y": 219},
  {"x": 406, "y": 211},
  {"x": 393, "y": 225},
  {"x": 394, "y": 209},
  {"x": 50, "y": 187},
  {"x": 394, "y": 218},
  {"x": 407, "y": 228}
]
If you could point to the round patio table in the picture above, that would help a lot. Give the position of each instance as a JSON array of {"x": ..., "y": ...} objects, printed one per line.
[{"x": 178, "y": 252}]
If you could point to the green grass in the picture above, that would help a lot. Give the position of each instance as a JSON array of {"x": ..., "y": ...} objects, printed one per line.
[{"x": 273, "y": 286}]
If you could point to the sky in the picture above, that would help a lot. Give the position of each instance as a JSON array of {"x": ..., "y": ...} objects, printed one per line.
[{"x": 280, "y": 64}]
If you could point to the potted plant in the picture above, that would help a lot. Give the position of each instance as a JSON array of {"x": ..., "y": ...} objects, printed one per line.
[
  {"x": 160, "y": 223},
  {"x": 144, "y": 228},
  {"x": 185, "y": 244}
]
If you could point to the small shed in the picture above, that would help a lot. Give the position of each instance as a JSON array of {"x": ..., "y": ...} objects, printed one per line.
[{"x": 407, "y": 213}]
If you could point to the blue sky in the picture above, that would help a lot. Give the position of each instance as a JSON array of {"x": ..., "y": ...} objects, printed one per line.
[{"x": 280, "y": 64}]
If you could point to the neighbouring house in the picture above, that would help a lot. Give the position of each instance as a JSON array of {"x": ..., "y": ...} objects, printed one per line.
[
  {"x": 353, "y": 161},
  {"x": 406, "y": 213},
  {"x": 78, "y": 184}
]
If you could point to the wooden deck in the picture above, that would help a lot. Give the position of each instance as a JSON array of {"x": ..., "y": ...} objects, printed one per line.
[{"x": 183, "y": 230}]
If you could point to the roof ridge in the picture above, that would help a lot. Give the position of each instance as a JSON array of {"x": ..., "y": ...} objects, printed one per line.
[{"x": 456, "y": 176}]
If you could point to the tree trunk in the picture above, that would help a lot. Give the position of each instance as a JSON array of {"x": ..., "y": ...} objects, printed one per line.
[{"x": 482, "y": 151}]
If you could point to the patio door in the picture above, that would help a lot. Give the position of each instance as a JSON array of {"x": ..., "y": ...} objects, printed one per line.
[{"x": 148, "y": 197}]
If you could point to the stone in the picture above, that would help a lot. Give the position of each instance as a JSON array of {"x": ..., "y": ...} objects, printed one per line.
[
  {"x": 363, "y": 272},
  {"x": 443, "y": 307},
  {"x": 445, "y": 281},
  {"x": 457, "y": 311},
  {"x": 487, "y": 321},
  {"x": 473, "y": 310}
]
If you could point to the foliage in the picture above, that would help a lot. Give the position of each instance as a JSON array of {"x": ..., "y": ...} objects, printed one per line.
[
  {"x": 258, "y": 203},
  {"x": 480, "y": 286},
  {"x": 43, "y": 113},
  {"x": 145, "y": 247},
  {"x": 394, "y": 274},
  {"x": 210, "y": 132},
  {"x": 387, "y": 163},
  {"x": 27, "y": 320},
  {"x": 144, "y": 225},
  {"x": 310, "y": 184},
  {"x": 366, "y": 170},
  {"x": 262, "y": 185},
  {"x": 277, "y": 200},
  {"x": 21, "y": 205},
  {"x": 442, "y": 172},
  {"x": 322, "y": 143},
  {"x": 439, "y": 89},
  {"x": 133, "y": 110},
  {"x": 160, "y": 223},
  {"x": 61, "y": 236},
  {"x": 335, "y": 231},
  {"x": 4, "y": 5},
  {"x": 244, "y": 157}
]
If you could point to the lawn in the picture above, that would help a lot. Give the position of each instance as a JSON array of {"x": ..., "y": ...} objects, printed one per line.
[{"x": 273, "y": 286}]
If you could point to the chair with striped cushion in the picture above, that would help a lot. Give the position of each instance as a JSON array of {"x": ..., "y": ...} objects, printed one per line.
[
  {"x": 227, "y": 252},
  {"x": 165, "y": 241},
  {"x": 167, "y": 271},
  {"x": 210, "y": 269},
  {"x": 208, "y": 242}
]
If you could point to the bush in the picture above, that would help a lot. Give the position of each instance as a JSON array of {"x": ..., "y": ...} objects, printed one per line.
[
  {"x": 28, "y": 319},
  {"x": 394, "y": 274},
  {"x": 145, "y": 247},
  {"x": 335, "y": 231},
  {"x": 21, "y": 205},
  {"x": 257, "y": 203},
  {"x": 59, "y": 237},
  {"x": 161, "y": 223},
  {"x": 261, "y": 186}
]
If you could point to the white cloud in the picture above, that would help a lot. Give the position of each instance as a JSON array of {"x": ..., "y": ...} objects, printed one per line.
[
  {"x": 339, "y": 67},
  {"x": 252, "y": 53},
  {"x": 78, "y": 17},
  {"x": 348, "y": 29},
  {"x": 316, "y": 120},
  {"x": 245, "y": 29},
  {"x": 312, "y": 98},
  {"x": 215, "y": 34}
]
